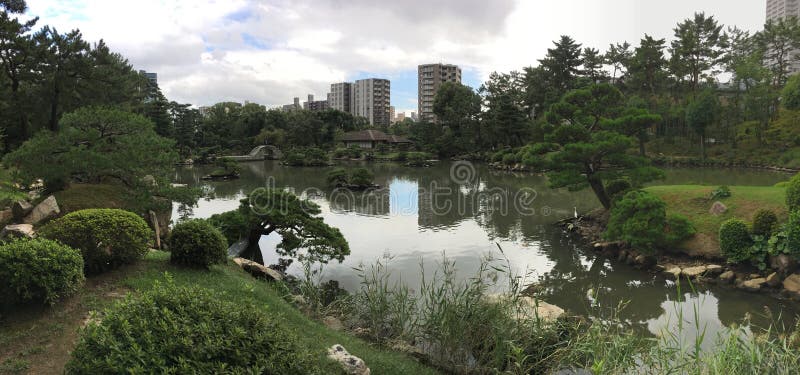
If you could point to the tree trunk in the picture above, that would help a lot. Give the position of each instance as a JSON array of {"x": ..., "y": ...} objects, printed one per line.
[
  {"x": 54, "y": 108},
  {"x": 702, "y": 148},
  {"x": 600, "y": 191},
  {"x": 641, "y": 147}
]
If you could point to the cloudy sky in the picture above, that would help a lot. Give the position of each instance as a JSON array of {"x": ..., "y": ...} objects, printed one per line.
[{"x": 273, "y": 50}]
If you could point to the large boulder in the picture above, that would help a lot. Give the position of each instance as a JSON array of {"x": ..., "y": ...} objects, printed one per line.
[
  {"x": 727, "y": 277},
  {"x": 693, "y": 272},
  {"x": 792, "y": 285},
  {"x": 773, "y": 280},
  {"x": 718, "y": 208},
  {"x": 21, "y": 209},
  {"x": 782, "y": 263},
  {"x": 530, "y": 308},
  {"x": 17, "y": 231},
  {"x": 47, "y": 209},
  {"x": 258, "y": 270},
  {"x": 351, "y": 364}
]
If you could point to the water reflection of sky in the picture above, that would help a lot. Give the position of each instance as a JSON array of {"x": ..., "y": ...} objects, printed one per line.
[{"x": 401, "y": 225}]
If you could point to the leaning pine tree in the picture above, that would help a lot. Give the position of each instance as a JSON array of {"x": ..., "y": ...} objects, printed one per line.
[{"x": 593, "y": 145}]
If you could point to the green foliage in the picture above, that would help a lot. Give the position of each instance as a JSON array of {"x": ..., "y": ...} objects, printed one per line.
[
  {"x": 231, "y": 224},
  {"x": 361, "y": 177},
  {"x": 721, "y": 192},
  {"x": 618, "y": 187},
  {"x": 307, "y": 157},
  {"x": 197, "y": 243},
  {"x": 793, "y": 233},
  {"x": 790, "y": 94},
  {"x": 226, "y": 167},
  {"x": 590, "y": 151},
  {"x": 174, "y": 329},
  {"x": 95, "y": 143},
  {"x": 734, "y": 241},
  {"x": 678, "y": 229},
  {"x": 107, "y": 238},
  {"x": 764, "y": 222},
  {"x": 38, "y": 270},
  {"x": 417, "y": 159},
  {"x": 639, "y": 218},
  {"x": 337, "y": 177},
  {"x": 793, "y": 193},
  {"x": 294, "y": 219}
]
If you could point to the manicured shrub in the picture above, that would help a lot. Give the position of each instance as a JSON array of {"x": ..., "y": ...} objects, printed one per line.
[
  {"x": 361, "y": 177},
  {"x": 793, "y": 193},
  {"x": 764, "y": 222},
  {"x": 678, "y": 229},
  {"x": 337, "y": 177},
  {"x": 107, "y": 238},
  {"x": 793, "y": 233},
  {"x": 38, "y": 270},
  {"x": 197, "y": 243},
  {"x": 735, "y": 241},
  {"x": 188, "y": 330},
  {"x": 638, "y": 219}
]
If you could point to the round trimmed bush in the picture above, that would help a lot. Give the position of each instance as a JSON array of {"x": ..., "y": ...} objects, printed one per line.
[
  {"x": 38, "y": 270},
  {"x": 638, "y": 218},
  {"x": 764, "y": 222},
  {"x": 188, "y": 330},
  {"x": 107, "y": 238},
  {"x": 197, "y": 243},
  {"x": 678, "y": 229},
  {"x": 793, "y": 233},
  {"x": 735, "y": 241},
  {"x": 793, "y": 193}
]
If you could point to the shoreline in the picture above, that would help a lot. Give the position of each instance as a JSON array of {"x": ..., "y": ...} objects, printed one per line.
[{"x": 776, "y": 281}]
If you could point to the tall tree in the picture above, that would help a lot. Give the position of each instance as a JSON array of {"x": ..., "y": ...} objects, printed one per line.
[
  {"x": 593, "y": 61},
  {"x": 64, "y": 63},
  {"x": 16, "y": 60},
  {"x": 646, "y": 69},
  {"x": 590, "y": 152},
  {"x": 701, "y": 113},
  {"x": 696, "y": 49},
  {"x": 779, "y": 40},
  {"x": 504, "y": 120},
  {"x": 618, "y": 56},
  {"x": 457, "y": 108}
]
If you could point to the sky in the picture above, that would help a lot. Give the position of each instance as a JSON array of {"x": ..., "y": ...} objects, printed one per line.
[{"x": 271, "y": 51}]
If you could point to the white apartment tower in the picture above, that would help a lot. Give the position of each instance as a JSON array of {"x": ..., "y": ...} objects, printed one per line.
[
  {"x": 777, "y": 9},
  {"x": 339, "y": 98},
  {"x": 429, "y": 78},
  {"x": 370, "y": 98}
]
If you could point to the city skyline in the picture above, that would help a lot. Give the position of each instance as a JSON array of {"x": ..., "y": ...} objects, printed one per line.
[{"x": 269, "y": 52}]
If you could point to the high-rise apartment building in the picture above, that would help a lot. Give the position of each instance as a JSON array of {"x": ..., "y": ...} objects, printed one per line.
[
  {"x": 339, "y": 98},
  {"x": 777, "y": 9},
  {"x": 429, "y": 78},
  {"x": 315, "y": 105},
  {"x": 370, "y": 98}
]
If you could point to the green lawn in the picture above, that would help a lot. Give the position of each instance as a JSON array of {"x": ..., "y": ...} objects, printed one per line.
[
  {"x": 39, "y": 340},
  {"x": 693, "y": 202},
  {"x": 82, "y": 196}
]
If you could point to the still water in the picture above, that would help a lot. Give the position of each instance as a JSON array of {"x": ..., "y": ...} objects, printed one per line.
[{"x": 467, "y": 211}]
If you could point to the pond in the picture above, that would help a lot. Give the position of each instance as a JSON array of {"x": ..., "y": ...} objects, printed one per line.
[{"x": 467, "y": 212}]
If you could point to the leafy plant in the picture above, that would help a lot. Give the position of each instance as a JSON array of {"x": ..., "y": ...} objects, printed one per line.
[
  {"x": 678, "y": 229},
  {"x": 172, "y": 329},
  {"x": 337, "y": 177},
  {"x": 38, "y": 270},
  {"x": 793, "y": 233},
  {"x": 734, "y": 241},
  {"x": 764, "y": 222},
  {"x": 197, "y": 243},
  {"x": 361, "y": 177},
  {"x": 793, "y": 193},
  {"x": 107, "y": 238},
  {"x": 639, "y": 219},
  {"x": 720, "y": 193}
]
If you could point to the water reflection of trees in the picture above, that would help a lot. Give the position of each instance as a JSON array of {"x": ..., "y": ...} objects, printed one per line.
[{"x": 575, "y": 269}]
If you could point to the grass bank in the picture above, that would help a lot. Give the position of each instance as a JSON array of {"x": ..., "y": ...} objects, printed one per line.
[
  {"x": 693, "y": 202},
  {"x": 39, "y": 340}
]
